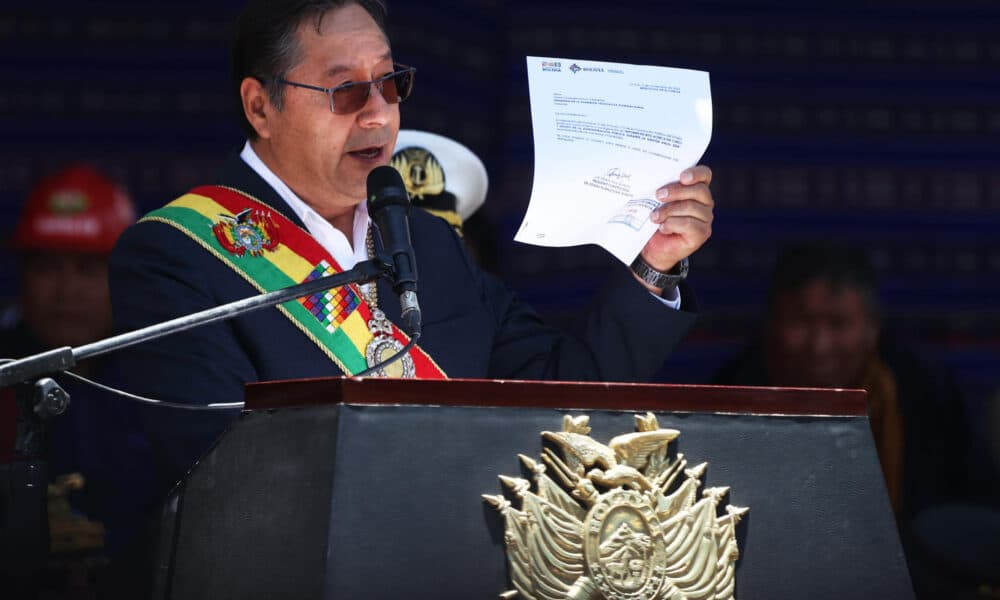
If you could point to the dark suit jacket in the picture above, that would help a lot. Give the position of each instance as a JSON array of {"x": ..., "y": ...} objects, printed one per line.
[{"x": 473, "y": 326}]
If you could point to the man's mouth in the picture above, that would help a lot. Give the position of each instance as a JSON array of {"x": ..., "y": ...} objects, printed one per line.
[{"x": 368, "y": 153}]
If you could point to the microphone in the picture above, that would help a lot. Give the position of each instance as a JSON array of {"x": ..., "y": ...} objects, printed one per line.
[{"x": 389, "y": 208}]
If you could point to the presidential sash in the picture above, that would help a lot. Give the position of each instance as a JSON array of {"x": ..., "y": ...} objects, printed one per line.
[{"x": 271, "y": 252}]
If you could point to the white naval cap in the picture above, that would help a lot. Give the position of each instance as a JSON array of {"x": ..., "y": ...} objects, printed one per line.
[{"x": 464, "y": 174}]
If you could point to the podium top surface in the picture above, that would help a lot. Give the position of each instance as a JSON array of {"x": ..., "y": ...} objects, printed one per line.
[{"x": 552, "y": 394}]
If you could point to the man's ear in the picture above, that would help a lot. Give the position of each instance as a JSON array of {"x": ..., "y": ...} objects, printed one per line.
[{"x": 256, "y": 106}]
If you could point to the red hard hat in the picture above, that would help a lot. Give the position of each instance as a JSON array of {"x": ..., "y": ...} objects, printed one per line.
[{"x": 78, "y": 210}]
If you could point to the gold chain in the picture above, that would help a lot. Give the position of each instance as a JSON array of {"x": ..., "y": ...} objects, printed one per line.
[{"x": 371, "y": 295}]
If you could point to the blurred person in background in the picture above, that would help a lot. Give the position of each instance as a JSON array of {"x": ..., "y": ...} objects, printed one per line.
[
  {"x": 441, "y": 175},
  {"x": 448, "y": 180},
  {"x": 62, "y": 242},
  {"x": 63, "y": 238},
  {"x": 823, "y": 329}
]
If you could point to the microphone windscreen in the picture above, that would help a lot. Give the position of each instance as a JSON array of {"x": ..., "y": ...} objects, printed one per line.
[{"x": 385, "y": 186}]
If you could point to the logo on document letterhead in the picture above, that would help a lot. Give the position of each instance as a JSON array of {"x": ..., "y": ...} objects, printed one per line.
[
  {"x": 575, "y": 68},
  {"x": 551, "y": 66}
]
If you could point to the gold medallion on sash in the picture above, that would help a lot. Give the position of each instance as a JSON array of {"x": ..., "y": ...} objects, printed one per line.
[{"x": 383, "y": 346}]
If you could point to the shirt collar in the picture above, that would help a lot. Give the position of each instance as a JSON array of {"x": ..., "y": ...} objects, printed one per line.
[{"x": 329, "y": 236}]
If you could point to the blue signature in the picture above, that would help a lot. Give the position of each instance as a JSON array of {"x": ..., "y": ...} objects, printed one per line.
[{"x": 617, "y": 173}]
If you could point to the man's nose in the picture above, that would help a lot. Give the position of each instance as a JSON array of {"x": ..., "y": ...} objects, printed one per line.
[
  {"x": 376, "y": 111},
  {"x": 821, "y": 339}
]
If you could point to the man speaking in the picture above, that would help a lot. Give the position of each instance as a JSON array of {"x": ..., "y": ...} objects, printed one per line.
[{"x": 319, "y": 92}]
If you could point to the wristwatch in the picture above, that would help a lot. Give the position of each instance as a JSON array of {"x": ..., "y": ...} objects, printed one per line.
[{"x": 666, "y": 280}]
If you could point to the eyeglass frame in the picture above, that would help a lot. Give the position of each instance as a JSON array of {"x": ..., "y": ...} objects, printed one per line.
[{"x": 329, "y": 91}]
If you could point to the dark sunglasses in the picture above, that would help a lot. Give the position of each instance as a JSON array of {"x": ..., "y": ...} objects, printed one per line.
[{"x": 351, "y": 97}]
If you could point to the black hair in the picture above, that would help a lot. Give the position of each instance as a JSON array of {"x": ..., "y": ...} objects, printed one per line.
[
  {"x": 802, "y": 263},
  {"x": 265, "y": 44}
]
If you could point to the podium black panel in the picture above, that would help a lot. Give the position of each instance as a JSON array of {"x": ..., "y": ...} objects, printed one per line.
[
  {"x": 361, "y": 501},
  {"x": 251, "y": 519}
]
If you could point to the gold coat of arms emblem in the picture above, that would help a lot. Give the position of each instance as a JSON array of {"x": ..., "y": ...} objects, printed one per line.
[{"x": 621, "y": 521}]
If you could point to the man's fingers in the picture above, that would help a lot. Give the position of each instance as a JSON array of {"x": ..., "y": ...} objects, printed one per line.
[
  {"x": 696, "y": 174},
  {"x": 678, "y": 191},
  {"x": 687, "y": 227},
  {"x": 699, "y": 174},
  {"x": 699, "y": 206}
]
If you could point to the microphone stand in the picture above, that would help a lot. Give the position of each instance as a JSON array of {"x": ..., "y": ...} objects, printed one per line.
[
  {"x": 61, "y": 359},
  {"x": 25, "y": 526}
]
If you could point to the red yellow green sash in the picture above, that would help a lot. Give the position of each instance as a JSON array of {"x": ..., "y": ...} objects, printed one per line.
[{"x": 271, "y": 252}]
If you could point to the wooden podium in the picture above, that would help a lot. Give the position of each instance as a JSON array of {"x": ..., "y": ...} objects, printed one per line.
[{"x": 348, "y": 488}]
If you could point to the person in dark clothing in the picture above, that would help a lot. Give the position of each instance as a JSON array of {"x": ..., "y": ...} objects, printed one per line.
[
  {"x": 63, "y": 238},
  {"x": 823, "y": 329},
  {"x": 319, "y": 95}
]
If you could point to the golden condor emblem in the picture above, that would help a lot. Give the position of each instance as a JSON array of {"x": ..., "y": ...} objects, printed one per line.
[
  {"x": 422, "y": 173},
  {"x": 617, "y": 521}
]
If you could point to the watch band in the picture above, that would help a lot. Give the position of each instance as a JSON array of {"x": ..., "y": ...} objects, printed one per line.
[{"x": 666, "y": 280}]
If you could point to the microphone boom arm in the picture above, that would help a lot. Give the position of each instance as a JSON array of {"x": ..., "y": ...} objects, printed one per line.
[{"x": 65, "y": 358}]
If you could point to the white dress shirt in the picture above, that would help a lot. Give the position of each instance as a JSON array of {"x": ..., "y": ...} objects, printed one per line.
[{"x": 346, "y": 252}]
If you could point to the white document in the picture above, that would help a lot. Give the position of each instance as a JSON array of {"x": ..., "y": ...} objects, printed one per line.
[{"x": 607, "y": 136}]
